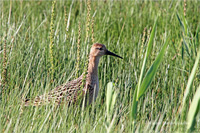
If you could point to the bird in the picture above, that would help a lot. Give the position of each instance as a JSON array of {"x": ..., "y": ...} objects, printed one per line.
[{"x": 76, "y": 89}]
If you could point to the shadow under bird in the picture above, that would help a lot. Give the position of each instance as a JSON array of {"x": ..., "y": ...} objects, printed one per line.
[{"x": 73, "y": 90}]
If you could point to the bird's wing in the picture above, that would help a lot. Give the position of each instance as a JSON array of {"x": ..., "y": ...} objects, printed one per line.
[{"x": 68, "y": 91}]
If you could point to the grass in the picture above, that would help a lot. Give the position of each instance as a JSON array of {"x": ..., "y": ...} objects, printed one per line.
[{"x": 120, "y": 26}]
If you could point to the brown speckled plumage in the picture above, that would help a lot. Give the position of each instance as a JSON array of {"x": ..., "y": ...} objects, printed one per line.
[{"x": 71, "y": 91}]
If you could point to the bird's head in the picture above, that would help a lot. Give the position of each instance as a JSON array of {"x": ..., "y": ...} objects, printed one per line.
[{"x": 99, "y": 50}]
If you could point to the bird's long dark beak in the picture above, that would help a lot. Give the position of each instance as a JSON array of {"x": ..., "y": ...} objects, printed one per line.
[{"x": 110, "y": 53}]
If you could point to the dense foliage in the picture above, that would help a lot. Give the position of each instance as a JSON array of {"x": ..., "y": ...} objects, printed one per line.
[{"x": 27, "y": 29}]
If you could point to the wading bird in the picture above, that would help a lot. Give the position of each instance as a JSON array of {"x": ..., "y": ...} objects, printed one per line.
[{"x": 71, "y": 91}]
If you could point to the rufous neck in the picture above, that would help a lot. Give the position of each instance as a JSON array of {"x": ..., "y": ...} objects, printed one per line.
[{"x": 93, "y": 65}]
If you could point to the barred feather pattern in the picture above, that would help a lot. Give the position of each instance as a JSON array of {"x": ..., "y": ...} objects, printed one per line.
[{"x": 65, "y": 93}]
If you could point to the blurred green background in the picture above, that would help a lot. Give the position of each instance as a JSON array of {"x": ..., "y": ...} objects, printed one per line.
[{"x": 124, "y": 27}]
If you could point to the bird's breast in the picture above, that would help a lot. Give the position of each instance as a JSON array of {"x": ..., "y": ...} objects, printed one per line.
[{"x": 94, "y": 83}]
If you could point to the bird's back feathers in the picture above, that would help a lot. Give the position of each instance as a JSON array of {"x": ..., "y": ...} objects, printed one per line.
[{"x": 68, "y": 92}]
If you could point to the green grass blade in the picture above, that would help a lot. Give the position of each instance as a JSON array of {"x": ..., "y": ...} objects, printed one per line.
[
  {"x": 152, "y": 71},
  {"x": 186, "y": 46},
  {"x": 150, "y": 44},
  {"x": 187, "y": 91},
  {"x": 197, "y": 37},
  {"x": 185, "y": 25},
  {"x": 184, "y": 29},
  {"x": 148, "y": 51},
  {"x": 109, "y": 96},
  {"x": 194, "y": 108},
  {"x": 114, "y": 97},
  {"x": 134, "y": 106},
  {"x": 181, "y": 24}
]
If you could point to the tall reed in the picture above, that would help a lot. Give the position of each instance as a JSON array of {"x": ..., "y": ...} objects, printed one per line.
[
  {"x": 78, "y": 51},
  {"x": 143, "y": 41},
  {"x": 185, "y": 4},
  {"x": 66, "y": 17},
  {"x": 88, "y": 19},
  {"x": 93, "y": 39},
  {"x": 52, "y": 41},
  {"x": 4, "y": 71},
  {"x": 87, "y": 41}
]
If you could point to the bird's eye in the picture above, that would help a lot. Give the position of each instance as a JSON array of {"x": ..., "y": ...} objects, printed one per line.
[{"x": 99, "y": 48}]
